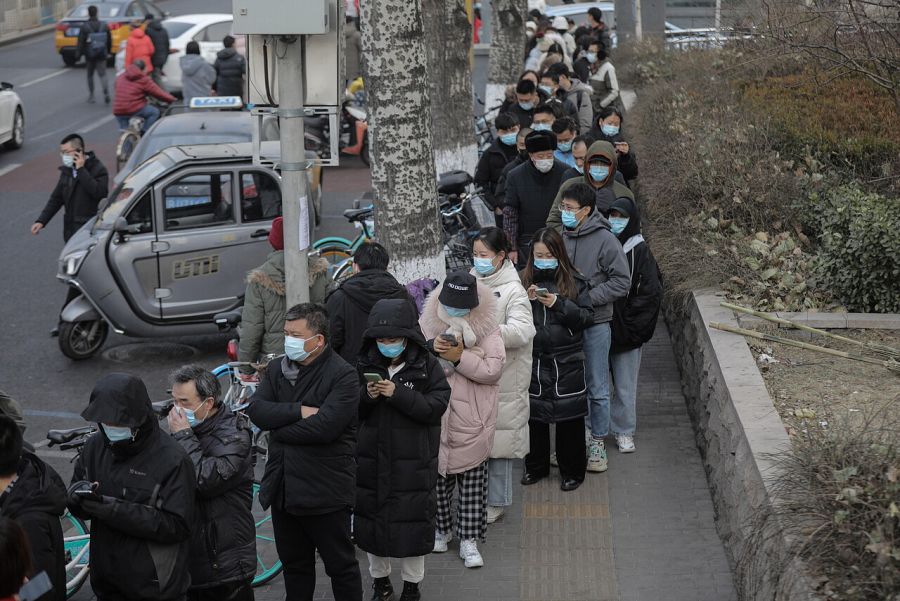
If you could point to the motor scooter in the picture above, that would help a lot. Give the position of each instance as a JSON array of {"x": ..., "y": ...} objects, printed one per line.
[{"x": 354, "y": 137}]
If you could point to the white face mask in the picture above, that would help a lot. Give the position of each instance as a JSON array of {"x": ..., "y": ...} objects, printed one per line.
[
  {"x": 68, "y": 160},
  {"x": 543, "y": 165}
]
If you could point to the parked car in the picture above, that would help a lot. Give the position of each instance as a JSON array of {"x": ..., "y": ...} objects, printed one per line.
[
  {"x": 12, "y": 118},
  {"x": 208, "y": 30},
  {"x": 117, "y": 14}
]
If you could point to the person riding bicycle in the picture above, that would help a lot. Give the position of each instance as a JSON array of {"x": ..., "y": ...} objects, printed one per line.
[
  {"x": 223, "y": 539},
  {"x": 133, "y": 87}
]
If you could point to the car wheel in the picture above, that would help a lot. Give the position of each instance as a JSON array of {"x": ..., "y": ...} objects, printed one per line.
[
  {"x": 69, "y": 59},
  {"x": 18, "y": 130},
  {"x": 82, "y": 339}
]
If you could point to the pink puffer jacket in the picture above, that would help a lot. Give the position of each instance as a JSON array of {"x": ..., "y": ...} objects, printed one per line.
[{"x": 468, "y": 425}]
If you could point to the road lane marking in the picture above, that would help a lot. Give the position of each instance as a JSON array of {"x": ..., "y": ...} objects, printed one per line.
[
  {"x": 41, "y": 443},
  {"x": 102, "y": 121},
  {"x": 76, "y": 128},
  {"x": 39, "y": 413},
  {"x": 9, "y": 169},
  {"x": 40, "y": 79},
  {"x": 55, "y": 454}
]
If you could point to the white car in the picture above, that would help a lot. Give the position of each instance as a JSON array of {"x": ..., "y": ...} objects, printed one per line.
[
  {"x": 207, "y": 30},
  {"x": 12, "y": 118}
]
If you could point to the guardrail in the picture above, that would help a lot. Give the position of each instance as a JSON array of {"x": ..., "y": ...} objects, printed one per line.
[
  {"x": 17, "y": 16},
  {"x": 703, "y": 37}
]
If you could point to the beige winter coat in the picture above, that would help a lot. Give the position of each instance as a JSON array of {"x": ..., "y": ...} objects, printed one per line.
[
  {"x": 467, "y": 427},
  {"x": 516, "y": 323}
]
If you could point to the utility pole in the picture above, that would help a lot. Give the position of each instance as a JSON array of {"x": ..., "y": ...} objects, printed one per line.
[
  {"x": 638, "y": 21},
  {"x": 294, "y": 203}
]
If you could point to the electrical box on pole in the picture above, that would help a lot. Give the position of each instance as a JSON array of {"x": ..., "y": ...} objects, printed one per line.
[{"x": 282, "y": 17}]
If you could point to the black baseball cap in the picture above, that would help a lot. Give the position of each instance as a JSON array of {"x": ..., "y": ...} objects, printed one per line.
[{"x": 460, "y": 291}]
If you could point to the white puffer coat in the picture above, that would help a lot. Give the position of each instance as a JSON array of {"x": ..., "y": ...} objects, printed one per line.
[{"x": 517, "y": 330}]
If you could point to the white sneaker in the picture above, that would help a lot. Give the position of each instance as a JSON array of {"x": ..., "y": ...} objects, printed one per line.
[
  {"x": 596, "y": 456},
  {"x": 441, "y": 540},
  {"x": 625, "y": 443},
  {"x": 468, "y": 551},
  {"x": 553, "y": 460},
  {"x": 494, "y": 513}
]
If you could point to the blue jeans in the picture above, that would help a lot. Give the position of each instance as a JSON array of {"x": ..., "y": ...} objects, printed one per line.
[
  {"x": 149, "y": 113},
  {"x": 597, "y": 339},
  {"x": 500, "y": 482},
  {"x": 625, "y": 367}
]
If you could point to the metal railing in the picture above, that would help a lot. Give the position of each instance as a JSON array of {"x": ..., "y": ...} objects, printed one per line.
[{"x": 17, "y": 16}]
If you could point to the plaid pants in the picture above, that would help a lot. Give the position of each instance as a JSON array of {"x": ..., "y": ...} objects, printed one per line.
[{"x": 471, "y": 511}]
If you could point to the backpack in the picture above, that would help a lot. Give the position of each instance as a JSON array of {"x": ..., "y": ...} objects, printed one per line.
[{"x": 96, "y": 43}]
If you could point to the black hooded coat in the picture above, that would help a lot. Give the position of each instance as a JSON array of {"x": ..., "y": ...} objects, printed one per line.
[
  {"x": 160, "y": 38},
  {"x": 635, "y": 315},
  {"x": 140, "y": 533},
  {"x": 36, "y": 501},
  {"x": 399, "y": 438},
  {"x": 349, "y": 306}
]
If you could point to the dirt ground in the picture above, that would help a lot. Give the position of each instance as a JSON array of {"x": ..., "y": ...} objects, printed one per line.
[{"x": 814, "y": 389}]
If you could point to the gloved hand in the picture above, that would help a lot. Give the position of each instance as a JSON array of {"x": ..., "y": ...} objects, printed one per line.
[
  {"x": 79, "y": 491},
  {"x": 104, "y": 509}
]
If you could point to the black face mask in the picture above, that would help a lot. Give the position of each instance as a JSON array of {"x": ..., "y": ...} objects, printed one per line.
[{"x": 523, "y": 154}]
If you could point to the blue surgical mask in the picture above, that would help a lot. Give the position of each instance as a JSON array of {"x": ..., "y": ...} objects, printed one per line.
[
  {"x": 68, "y": 160},
  {"x": 591, "y": 57},
  {"x": 191, "y": 415},
  {"x": 599, "y": 172},
  {"x": 569, "y": 219},
  {"x": 484, "y": 266},
  {"x": 546, "y": 263},
  {"x": 541, "y": 127},
  {"x": 564, "y": 146},
  {"x": 116, "y": 433},
  {"x": 393, "y": 349},
  {"x": 617, "y": 224},
  {"x": 526, "y": 106},
  {"x": 547, "y": 90},
  {"x": 294, "y": 348},
  {"x": 454, "y": 312},
  {"x": 609, "y": 130},
  {"x": 509, "y": 139},
  {"x": 579, "y": 169}
]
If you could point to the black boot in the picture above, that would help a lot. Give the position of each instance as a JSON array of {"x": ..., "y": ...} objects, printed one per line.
[
  {"x": 410, "y": 592},
  {"x": 382, "y": 590}
]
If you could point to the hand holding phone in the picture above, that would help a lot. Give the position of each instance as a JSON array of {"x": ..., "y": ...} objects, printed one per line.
[
  {"x": 373, "y": 377},
  {"x": 449, "y": 339},
  {"x": 541, "y": 291}
]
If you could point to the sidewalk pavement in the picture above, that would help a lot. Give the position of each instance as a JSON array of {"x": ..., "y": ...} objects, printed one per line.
[{"x": 642, "y": 531}]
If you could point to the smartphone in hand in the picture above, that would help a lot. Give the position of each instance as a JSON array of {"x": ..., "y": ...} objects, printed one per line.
[
  {"x": 373, "y": 378},
  {"x": 450, "y": 338},
  {"x": 542, "y": 292}
]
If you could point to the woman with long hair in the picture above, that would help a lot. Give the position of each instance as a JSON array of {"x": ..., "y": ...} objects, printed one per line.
[
  {"x": 562, "y": 309},
  {"x": 16, "y": 564}
]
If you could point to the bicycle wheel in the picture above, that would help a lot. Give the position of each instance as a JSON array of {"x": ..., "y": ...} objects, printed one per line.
[
  {"x": 125, "y": 147},
  {"x": 335, "y": 255},
  {"x": 76, "y": 546},
  {"x": 231, "y": 388},
  {"x": 267, "y": 563}
]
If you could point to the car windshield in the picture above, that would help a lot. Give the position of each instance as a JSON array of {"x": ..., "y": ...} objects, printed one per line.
[
  {"x": 176, "y": 28},
  {"x": 107, "y": 9},
  {"x": 123, "y": 195},
  {"x": 154, "y": 143}
]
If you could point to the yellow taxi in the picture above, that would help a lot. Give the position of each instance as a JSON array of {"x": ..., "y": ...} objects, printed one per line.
[{"x": 117, "y": 14}]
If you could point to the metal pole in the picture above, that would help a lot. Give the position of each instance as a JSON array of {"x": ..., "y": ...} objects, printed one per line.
[
  {"x": 295, "y": 205},
  {"x": 718, "y": 15},
  {"x": 638, "y": 21}
]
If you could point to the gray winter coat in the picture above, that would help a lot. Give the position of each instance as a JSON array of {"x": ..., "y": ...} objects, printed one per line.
[
  {"x": 197, "y": 77},
  {"x": 579, "y": 98},
  {"x": 598, "y": 255}
]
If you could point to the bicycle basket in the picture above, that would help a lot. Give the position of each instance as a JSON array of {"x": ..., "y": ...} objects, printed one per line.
[{"x": 458, "y": 253}]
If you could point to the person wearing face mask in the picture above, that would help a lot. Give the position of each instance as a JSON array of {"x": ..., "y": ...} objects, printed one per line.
[
  {"x": 575, "y": 95},
  {"x": 545, "y": 114},
  {"x": 493, "y": 269},
  {"x": 223, "y": 541},
  {"x": 604, "y": 82},
  {"x": 587, "y": 63},
  {"x": 562, "y": 308},
  {"x": 526, "y": 100},
  {"x": 609, "y": 128},
  {"x": 579, "y": 152},
  {"x": 530, "y": 190},
  {"x": 565, "y": 130},
  {"x": 137, "y": 486},
  {"x": 399, "y": 416},
  {"x": 497, "y": 156},
  {"x": 460, "y": 325},
  {"x": 520, "y": 158},
  {"x": 634, "y": 320},
  {"x": 601, "y": 176},
  {"x": 597, "y": 254},
  {"x": 308, "y": 402}
]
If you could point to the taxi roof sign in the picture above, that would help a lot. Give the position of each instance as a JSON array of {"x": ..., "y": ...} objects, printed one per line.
[{"x": 216, "y": 102}]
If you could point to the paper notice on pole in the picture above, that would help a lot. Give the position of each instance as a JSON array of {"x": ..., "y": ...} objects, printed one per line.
[{"x": 304, "y": 223}]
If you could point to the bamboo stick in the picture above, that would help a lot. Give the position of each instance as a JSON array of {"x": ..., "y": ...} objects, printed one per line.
[
  {"x": 879, "y": 349},
  {"x": 891, "y": 365}
]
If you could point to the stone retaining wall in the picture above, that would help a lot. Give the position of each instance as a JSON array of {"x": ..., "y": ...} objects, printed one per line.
[{"x": 738, "y": 431}]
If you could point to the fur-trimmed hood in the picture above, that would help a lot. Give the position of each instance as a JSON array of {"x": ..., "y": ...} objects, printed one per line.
[
  {"x": 270, "y": 275},
  {"x": 480, "y": 322}
]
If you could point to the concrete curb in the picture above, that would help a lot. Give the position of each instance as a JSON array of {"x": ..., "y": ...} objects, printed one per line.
[
  {"x": 833, "y": 321},
  {"x": 739, "y": 433},
  {"x": 24, "y": 35}
]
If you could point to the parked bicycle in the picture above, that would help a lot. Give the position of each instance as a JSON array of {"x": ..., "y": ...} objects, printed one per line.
[{"x": 131, "y": 135}]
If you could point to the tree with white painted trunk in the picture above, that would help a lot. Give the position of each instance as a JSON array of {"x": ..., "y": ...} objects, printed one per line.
[
  {"x": 449, "y": 35},
  {"x": 397, "y": 89},
  {"x": 507, "y": 48}
]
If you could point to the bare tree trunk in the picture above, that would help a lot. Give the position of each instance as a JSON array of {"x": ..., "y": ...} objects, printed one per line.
[
  {"x": 507, "y": 48},
  {"x": 449, "y": 38},
  {"x": 397, "y": 89}
]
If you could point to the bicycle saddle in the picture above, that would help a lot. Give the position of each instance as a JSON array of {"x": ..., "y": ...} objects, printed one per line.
[
  {"x": 358, "y": 214},
  {"x": 63, "y": 436}
]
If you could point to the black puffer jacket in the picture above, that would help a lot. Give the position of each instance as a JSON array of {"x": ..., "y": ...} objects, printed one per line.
[
  {"x": 230, "y": 68},
  {"x": 36, "y": 501},
  {"x": 80, "y": 195},
  {"x": 223, "y": 540},
  {"x": 141, "y": 545},
  {"x": 349, "y": 307},
  {"x": 530, "y": 194},
  {"x": 311, "y": 469},
  {"x": 490, "y": 167},
  {"x": 635, "y": 316},
  {"x": 558, "y": 390},
  {"x": 500, "y": 188},
  {"x": 160, "y": 38},
  {"x": 399, "y": 438}
]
